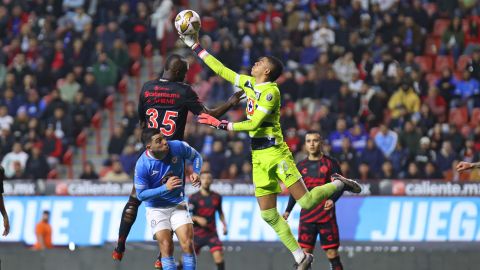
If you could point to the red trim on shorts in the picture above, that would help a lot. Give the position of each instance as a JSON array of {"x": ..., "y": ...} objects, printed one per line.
[
  {"x": 330, "y": 246},
  {"x": 213, "y": 249},
  {"x": 302, "y": 245}
]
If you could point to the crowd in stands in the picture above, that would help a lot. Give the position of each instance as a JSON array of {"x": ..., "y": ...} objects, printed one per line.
[{"x": 392, "y": 86}]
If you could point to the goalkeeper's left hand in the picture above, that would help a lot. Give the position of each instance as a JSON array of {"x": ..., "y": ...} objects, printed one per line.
[
  {"x": 209, "y": 120},
  {"x": 189, "y": 40}
]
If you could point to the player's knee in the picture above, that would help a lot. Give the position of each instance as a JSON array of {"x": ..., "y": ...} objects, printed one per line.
[
  {"x": 306, "y": 204},
  {"x": 270, "y": 216},
  {"x": 331, "y": 253},
  {"x": 187, "y": 245}
]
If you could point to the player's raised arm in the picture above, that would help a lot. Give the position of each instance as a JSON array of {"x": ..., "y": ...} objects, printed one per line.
[
  {"x": 234, "y": 78},
  {"x": 144, "y": 193}
]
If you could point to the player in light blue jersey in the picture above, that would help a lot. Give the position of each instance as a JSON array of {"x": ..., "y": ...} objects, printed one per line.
[{"x": 158, "y": 181}]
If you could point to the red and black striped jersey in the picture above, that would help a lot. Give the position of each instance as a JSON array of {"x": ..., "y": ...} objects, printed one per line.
[
  {"x": 164, "y": 105},
  {"x": 316, "y": 173},
  {"x": 205, "y": 206}
]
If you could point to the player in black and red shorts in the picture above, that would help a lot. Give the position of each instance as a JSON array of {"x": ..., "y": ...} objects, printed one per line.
[
  {"x": 317, "y": 169},
  {"x": 164, "y": 104},
  {"x": 203, "y": 205}
]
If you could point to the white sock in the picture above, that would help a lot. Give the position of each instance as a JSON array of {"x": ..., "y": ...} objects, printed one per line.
[
  {"x": 298, "y": 254},
  {"x": 339, "y": 184}
]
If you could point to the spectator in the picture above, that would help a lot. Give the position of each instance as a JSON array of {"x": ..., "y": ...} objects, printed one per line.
[
  {"x": 92, "y": 90},
  {"x": 453, "y": 39},
  {"x": 68, "y": 88},
  {"x": 52, "y": 146},
  {"x": 37, "y": 166},
  {"x": 411, "y": 35},
  {"x": 80, "y": 19},
  {"x": 359, "y": 137},
  {"x": 18, "y": 172},
  {"x": 116, "y": 174},
  {"x": 424, "y": 154},
  {"x": 404, "y": 99},
  {"x": 6, "y": 120},
  {"x": 62, "y": 124},
  {"x": 16, "y": 155},
  {"x": 231, "y": 173},
  {"x": 372, "y": 156},
  {"x": 446, "y": 85},
  {"x": 466, "y": 92},
  {"x": 347, "y": 153},
  {"x": 88, "y": 171},
  {"x": 336, "y": 137},
  {"x": 246, "y": 173},
  {"x": 130, "y": 118},
  {"x": 431, "y": 171},
  {"x": 364, "y": 172},
  {"x": 105, "y": 71},
  {"x": 117, "y": 141},
  {"x": 474, "y": 64},
  {"x": 399, "y": 159},
  {"x": 413, "y": 172},
  {"x": 217, "y": 159},
  {"x": 43, "y": 232},
  {"x": 386, "y": 140},
  {"x": 409, "y": 64},
  {"x": 345, "y": 68},
  {"x": 119, "y": 55},
  {"x": 387, "y": 171},
  {"x": 128, "y": 158},
  {"x": 436, "y": 104}
]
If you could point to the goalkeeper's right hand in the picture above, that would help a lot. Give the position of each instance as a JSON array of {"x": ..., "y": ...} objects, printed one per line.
[{"x": 189, "y": 40}]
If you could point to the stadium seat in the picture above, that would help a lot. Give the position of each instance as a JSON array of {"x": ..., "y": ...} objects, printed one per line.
[
  {"x": 432, "y": 78},
  {"x": 440, "y": 26},
  {"x": 432, "y": 45},
  {"x": 475, "y": 117},
  {"x": 442, "y": 62},
  {"x": 134, "y": 50},
  {"x": 458, "y": 116},
  {"x": 425, "y": 63},
  {"x": 462, "y": 62}
]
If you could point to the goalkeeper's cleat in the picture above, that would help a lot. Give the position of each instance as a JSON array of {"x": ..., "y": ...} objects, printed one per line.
[
  {"x": 306, "y": 263},
  {"x": 117, "y": 255},
  {"x": 158, "y": 264},
  {"x": 350, "y": 185}
]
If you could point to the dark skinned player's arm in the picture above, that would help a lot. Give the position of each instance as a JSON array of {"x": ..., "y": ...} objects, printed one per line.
[{"x": 222, "y": 109}]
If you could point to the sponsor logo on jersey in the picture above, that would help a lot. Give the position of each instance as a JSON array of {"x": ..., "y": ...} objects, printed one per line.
[
  {"x": 248, "y": 84},
  {"x": 250, "y": 106},
  {"x": 257, "y": 95}
]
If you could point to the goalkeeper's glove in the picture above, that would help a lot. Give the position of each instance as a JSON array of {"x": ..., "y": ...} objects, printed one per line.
[
  {"x": 209, "y": 120},
  {"x": 190, "y": 40}
]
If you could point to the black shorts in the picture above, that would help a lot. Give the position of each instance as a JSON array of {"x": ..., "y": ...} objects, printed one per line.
[
  {"x": 210, "y": 240},
  {"x": 329, "y": 239}
]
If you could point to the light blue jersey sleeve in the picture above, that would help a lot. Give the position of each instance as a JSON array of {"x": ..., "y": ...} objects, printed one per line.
[
  {"x": 193, "y": 156},
  {"x": 141, "y": 180}
]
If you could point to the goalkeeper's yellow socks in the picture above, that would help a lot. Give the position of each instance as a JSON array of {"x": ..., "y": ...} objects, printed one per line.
[
  {"x": 315, "y": 196},
  {"x": 273, "y": 218}
]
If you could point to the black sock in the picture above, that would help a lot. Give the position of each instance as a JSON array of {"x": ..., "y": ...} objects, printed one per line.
[
  {"x": 336, "y": 264},
  {"x": 221, "y": 266},
  {"x": 129, "y": 215}
]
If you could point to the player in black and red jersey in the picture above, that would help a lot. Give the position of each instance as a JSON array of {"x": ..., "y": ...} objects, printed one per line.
[
  {"x": 317, "y": 169},
  {"x": 203, "y": 205},
  {"x": 164, "y": 103}
]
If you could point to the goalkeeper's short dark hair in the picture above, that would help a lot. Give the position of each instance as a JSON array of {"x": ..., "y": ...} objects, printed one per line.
[{"x": 276, "y": 68}]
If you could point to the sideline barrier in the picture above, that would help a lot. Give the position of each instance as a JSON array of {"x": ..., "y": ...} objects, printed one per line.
[{"x": 95, "y": 220}]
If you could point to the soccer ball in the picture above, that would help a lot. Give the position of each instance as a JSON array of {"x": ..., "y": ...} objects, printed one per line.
[{"x": 187, "y": 22}]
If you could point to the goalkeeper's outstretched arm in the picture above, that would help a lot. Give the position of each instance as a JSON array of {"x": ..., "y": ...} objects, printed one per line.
[{"x": 212, "y": 62}]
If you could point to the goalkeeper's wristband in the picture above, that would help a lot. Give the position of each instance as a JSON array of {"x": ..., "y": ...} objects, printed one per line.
[
  {"x": 225, "y": 125},
  {"x": 201, "y": 52}
]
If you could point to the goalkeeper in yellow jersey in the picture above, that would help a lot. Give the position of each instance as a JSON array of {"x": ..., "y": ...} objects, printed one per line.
[{"x": 271, "y": 157}]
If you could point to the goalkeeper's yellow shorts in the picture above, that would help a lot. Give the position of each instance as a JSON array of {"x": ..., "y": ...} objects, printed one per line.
[{"x": 270, "y": 165}]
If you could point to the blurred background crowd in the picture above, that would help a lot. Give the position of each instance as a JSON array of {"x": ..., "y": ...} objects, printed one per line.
[{"x": 392, "y": 85}]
